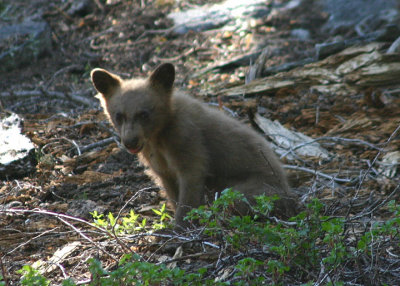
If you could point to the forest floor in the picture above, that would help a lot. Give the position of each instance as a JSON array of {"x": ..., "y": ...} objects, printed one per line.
[{"x": 355, "y": 121}]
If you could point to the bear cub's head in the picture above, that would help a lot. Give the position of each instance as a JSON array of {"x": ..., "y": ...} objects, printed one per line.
[{"x": 138, "y": 108}]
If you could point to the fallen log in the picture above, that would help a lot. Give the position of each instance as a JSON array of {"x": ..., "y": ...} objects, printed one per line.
[{"x": 352, "y": 69}]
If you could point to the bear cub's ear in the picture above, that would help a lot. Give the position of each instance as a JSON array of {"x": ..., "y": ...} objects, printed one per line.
[
  {"x": 163, "y": 77},
  {"x": 105, "y": 82}
]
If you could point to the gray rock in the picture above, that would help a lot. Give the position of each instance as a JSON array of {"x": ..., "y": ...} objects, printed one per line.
[
  {"x": 214, "y": 16},
  {"x": 345, "y": 14},
  {"x": 23, "y": 43},
  {"x": 80, "y": 8},
  {"x": 301, "y": 34},
  {"x": 16, "y": 150}
]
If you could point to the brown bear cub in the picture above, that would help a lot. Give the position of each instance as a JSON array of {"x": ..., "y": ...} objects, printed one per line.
[{"x": 193, "y": 149}]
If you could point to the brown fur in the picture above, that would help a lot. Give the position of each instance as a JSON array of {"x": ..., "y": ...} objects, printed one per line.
[{"x": 194, "y": 150}]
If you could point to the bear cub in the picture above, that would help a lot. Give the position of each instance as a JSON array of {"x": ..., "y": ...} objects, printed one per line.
[{"x": 193, "y": 150}]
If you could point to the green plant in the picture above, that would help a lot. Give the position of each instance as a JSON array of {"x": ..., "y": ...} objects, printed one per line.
[
  {"x": 163, "y": 219},
  {"x": 31, "y": 276},
  {"x": 132, "y": 271},
  {"x": 2, "y": 283},
  {"x": 260, "y": 250},
  {"x": 216, "y": 217},
  {"x": 131, "y": 223},
  {"x": 390, "y": 228},
  {"x": 68, "y": 282},
  {"x": 246, "y": 269},
  {"x": 308, "y": 240}
]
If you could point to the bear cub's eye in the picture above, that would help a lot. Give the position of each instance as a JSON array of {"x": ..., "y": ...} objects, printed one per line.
[
  {"x": 119, "y": 118},
  {"x": 143, "y": 115}
]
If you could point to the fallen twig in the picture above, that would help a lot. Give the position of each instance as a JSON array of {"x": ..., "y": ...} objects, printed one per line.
[
  {"x": 77, "y": 97},
  {"x": 178, "y": 57},
  {"x": 189, "y": 256},
  {"x": 238, "y": 61},
  {"x": 57, "y": 140},
  {"x": 355, "y": 197},
  {"x": 60, "y": 71},
  {"x": 170, "y": 236},
  {"x": 88, "y": 238},
  {"x": 30, "y": 240},
  {"x": 100, "y": 143},
  {"x": 339, "y": 139},
  {"x": 119, "y": 215},
  {"x": 375, "y": 159},
  {"x": 318, "y": 173},
  {"x": 336, "y": 139},
  {"x": 97, "y": 35},
  {"x": 376, "y": 206},
  {"x": 62, "y": 218}
]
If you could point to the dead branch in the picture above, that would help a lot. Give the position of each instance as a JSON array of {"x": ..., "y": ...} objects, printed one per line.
[
  {"x": 88, "y": 239},
  {"x": 256, "y": 70},
  {"x": 57, "y": 140},
  {"x": 171, "y": 236},
  {"x": 287, "y": 66},
  {"x": 61, "y": 71},
  {"x": 95, "y": 36},
  {"x": 355, "y": 197},
  {"x": 117, "y": 45},
  {"x": 119, "y": 215},
  {"x": 178, "y": 57},
  {"x": 76, "y": 97},
  {"x": 375, "y": 206},
  {"x": 62, "y": 218},
  {"x": 189, "y": 256},
  {"x": 99, "y": 4},
  {"x": 375, "y": 159},
  {"x": 233, "y": 63},
  {"x": 318, "y": 173},
  {"x": 101, "y": 143},
  {"x": 339, "y": 139},
  {"x": 30, "y": 240}
]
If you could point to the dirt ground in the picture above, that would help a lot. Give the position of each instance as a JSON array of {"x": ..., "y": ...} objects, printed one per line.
[{"x": 73, "y": 175}]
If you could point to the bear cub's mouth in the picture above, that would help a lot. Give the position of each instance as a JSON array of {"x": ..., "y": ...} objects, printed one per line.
[{"x": 134, "y": 150}]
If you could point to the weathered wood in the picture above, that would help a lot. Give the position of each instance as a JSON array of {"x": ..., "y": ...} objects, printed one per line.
[
  {"x": 287, "y": 66},
  {"x": 256, "y": 69},
  {"x": 350, "y": 69},
  {"x": 286, "y": 142},
  {"x": 242, "y": 60}
]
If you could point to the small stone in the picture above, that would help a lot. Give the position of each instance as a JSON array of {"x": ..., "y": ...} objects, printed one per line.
[
  {"x": 80, "y": 8},
  {"x": 301, "y": 34},
  {"x": 394, "y": 47}
]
